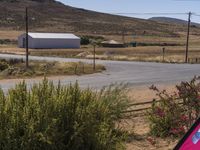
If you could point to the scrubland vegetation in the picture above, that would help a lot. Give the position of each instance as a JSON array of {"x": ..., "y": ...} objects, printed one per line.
[
  {"x": 62, "y": 117},
  {"x": 48, "y": 116}
]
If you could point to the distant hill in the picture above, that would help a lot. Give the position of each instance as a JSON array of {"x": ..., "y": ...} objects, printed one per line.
[
  {"x": 172, "y": 20},
  {"x": 53, "y": 16}
]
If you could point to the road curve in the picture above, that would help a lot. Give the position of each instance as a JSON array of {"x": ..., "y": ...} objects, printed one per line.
[{"x": 134, "y": 73}]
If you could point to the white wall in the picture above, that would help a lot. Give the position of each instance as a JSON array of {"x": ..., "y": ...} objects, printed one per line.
[
  {"x": 56, "y": 43},
  {"x": 36, "y": 43},
  {"x": 20, "y": 41}
]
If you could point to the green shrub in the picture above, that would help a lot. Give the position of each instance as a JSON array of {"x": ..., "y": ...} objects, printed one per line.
[
  {"x": 3, "y": 65},
  {"x": 61, "y": 117},
  {"x": 174, "y": 114},
  {"x": 85, "y": 40},
  {"x": 7, "y": 41},
  {"x": 88, "y": 39}
]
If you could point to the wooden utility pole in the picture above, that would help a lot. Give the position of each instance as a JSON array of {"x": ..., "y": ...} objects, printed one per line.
[
  {"x": 188, "y": 36},
  {"x": 123, "y": 35},
  {"x": 163, "y": 53},
  {"x": 27, "y": 51},
  {"x": 94, "y": 58}
]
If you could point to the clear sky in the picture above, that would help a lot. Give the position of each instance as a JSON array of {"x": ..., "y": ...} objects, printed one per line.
[{"x": 141, "y": 6}]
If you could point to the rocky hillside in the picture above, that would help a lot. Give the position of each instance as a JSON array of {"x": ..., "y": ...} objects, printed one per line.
[{"x": 53, "y": 16}]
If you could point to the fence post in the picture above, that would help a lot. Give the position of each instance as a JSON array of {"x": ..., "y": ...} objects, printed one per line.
[
  {"x": 83, "y": 68},
  {"x": 75, "y": 69},
  {"x": 153, "y": 104},
  {"x": 94, "y": 59},
  {"x": 163, "y": 53}
]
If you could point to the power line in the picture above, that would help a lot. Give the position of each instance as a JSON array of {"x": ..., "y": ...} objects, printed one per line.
[
  {"x": 130, "y": 13},
  {"x": 153, "y": 13}
]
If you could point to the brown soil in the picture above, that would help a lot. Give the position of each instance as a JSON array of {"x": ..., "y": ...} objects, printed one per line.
[{"x": 139, "y": 126}]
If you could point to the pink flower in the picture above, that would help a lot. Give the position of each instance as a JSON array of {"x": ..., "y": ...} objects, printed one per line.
[
  {"x": 182, "y": 129},
  {"x": 177, "y": 131},
  {"x": 184, "y": 118},
  {"x": 159, "y": 112},
  {"x": 174, "y": 131},
  {"x": 151, "y": 140}
]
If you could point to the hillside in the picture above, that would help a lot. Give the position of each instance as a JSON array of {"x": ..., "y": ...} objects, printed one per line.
[
  {"x": 172, "y": 20},
  {"x": 52, "y": 16}
]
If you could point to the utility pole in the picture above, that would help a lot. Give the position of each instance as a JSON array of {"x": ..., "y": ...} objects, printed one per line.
[
  {"x": 94, "y": 58},
  {"x": 27, "y": 51},
  {"x": 163, "y": 52},
  {"x": 188, "y": 36},
  {"x": 123, "y": 35}
]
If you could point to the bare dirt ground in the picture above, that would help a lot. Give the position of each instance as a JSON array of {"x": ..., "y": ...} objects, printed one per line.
[
  {"x": 139, "y": 126},
  {"x": 143, "y": 93},
  {"x": 141, "y": 140}
]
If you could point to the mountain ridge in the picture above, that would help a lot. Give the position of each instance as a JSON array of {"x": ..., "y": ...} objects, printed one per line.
[{"x": 54, "y": 16}]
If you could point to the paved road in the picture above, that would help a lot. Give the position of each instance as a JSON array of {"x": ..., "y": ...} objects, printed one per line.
[{"x": 134, "y": 73}]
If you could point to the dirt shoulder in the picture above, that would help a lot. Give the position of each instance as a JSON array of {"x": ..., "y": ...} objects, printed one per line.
[
  {"x": 143, "y": 93},
  {"x": 139, "y": 126},
  {"x": 141, "y": 140}
]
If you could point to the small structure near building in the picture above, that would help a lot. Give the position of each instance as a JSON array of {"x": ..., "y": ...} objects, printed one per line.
[
  {"x": 112, "y": 43},
  {"x": 49, "y": 40}
]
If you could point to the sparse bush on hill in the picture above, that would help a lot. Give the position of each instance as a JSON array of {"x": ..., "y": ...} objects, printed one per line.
[
  {"x": 88, "y": 39},
  {"x": 85, "y": 40},
  {"x": 7, "y": 41},
  {"x": 61, "y": 117},
  {"x": 175, "y": 113}
]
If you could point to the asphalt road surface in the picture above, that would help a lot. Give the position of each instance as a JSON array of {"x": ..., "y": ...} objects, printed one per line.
[{"x": 133, "y": 73}]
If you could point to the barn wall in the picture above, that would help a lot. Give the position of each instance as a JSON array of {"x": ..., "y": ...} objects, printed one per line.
[
  {"x": 41, "y": 43},
  {"x": 55, "y": 43},
  {"x": 20, "y": 41}
]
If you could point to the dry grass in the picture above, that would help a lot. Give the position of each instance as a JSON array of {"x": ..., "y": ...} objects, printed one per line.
[
  {"x": 43, "y": 68},
  {"x": 9, "y": 34},
  {"x": 140, "y": 53}
]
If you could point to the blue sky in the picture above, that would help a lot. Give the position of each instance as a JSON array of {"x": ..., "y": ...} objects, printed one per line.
[{"x": 140, "y": 6}]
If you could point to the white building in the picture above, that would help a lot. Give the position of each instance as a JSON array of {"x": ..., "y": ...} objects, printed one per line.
[{"x": 49, "y": 40}]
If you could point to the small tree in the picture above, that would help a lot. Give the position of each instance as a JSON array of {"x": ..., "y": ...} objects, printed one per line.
[{"x": 85, "y": 40}]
